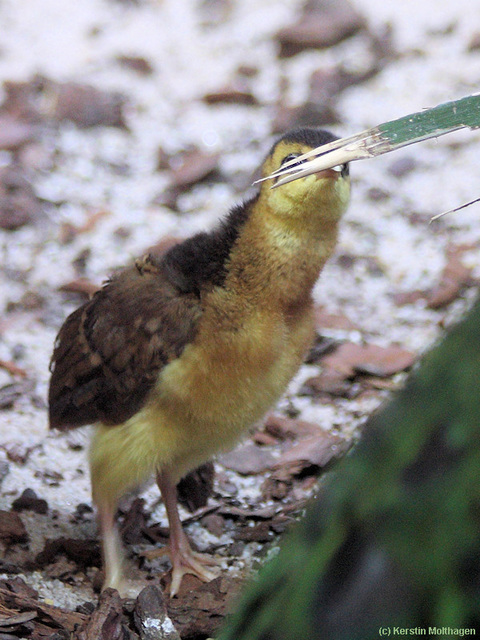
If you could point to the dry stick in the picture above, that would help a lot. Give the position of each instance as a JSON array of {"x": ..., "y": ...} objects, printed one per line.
[{"x": 462, "y": 206}]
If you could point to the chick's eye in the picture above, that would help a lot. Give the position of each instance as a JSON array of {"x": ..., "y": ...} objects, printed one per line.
[{"x": 291, "y": 156}]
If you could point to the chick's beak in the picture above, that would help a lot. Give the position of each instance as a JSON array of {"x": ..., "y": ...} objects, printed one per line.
[{"x": 332, "y": 173}]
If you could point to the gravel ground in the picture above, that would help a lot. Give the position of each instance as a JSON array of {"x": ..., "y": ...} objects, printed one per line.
[{"x": 195, "y": 48}]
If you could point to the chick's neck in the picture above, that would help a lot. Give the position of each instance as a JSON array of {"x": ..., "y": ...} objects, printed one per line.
[{"x": 278, "y": 258}]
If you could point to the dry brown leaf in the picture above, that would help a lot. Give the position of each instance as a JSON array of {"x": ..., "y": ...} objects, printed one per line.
[
  {"x": 248, "y": 459},
  {"x": 14, "y": 133},
  {"x": 194, "y": 166},
  {"x": 314, "y": 451},
  {"x": 323, "y": 23},
  {"x": 325, "y": 320},
  {"x": 351, "y": 358},
  {"x": 86, "y": 106},
  {"x": 19, "y": 203},
  {"x": 455, "y": 276},
  {"x": 138, "y": 64},
  {"x": 231, "y": 95},
  {"x": 331, "y": 382},
  {"x": 284, "y": 428},
  {"x": 453, "y": 279},
  {"x": 83, "y": 286}
]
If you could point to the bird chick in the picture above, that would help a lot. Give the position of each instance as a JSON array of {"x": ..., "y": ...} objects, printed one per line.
[{"x": 175, "y": 357}]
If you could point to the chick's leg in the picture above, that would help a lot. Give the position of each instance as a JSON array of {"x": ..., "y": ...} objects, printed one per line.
[
  {"x": 111, "y": 545},
  {"x": 184, "y": 559}
]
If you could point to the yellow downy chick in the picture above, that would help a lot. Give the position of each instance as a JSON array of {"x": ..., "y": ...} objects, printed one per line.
[{"x": 177, "y": 356}]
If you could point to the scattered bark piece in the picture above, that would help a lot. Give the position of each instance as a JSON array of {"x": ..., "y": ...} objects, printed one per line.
[
  {"x": 12, "y": 529},
  {"x": 380, "y": 383},
  {"x": 19, "y": 624},
  {"x": 402, "y": 166},
  {"x": 196, "y": 487},
  {"x": 326, "y": 320},
  {"x": 17, "y": 452},
  {"x": 134, "y": 522},
  {"x": 474, "y": 43},
  {"x": 19, "y": 204},
  {"x": 323, "y": 23},
  {"x": 264, "y": 439},
  {"x": 312, "y": 453},
  {"x": 194, "y": 166},
  {"x": 22, "y": 99},
  {"x": 14, "y": 133},
  {"x": 163, "y": 160},
  {"x": 157, "y": 534},
  {"x": 248, "y": 459},
  {"x": 234, "y": 94},
  {"x": 327, "y": 83},
  {"x": 377, "y": 194},
  {"x": 93, "y": 219},
  {"x": 308, "y": 115},
  {"x": 331, "y": 383},
  {"x": 4, "y": 470},
  {"x": 200, "y": 613},
  {"x": 106, "y": 622},
  {"x": 30, "y": 301},
  {"x": 36, "y": 156},
  {"x": 284, "y": 428},
  {"x": 214, "y": 523},
  {"x": 226, "y": 485},
  {"x": 29, "y": 501},
  {"x": 86, "y": 553},
  {"x": 62, "y": 569},
  {"x": 215, "y": 12},
  {"x": 264, "y": 513},
  {"x": 408, "y": 297},
  {"x": 259, "y": 532},
  {"x": 49, "y": 476},
  {"x": 19, "y": 587},
  {"x": 81, "y": 260},
  {"x": 82, "y": 286},
  {"x": 276, "y": 488},
  {"x": 11, "y": 618},
  {"x": 168, "y": 198},
  {"x": 455, "y": 276},
  {"x": 282, "y": 521},
  {"x": 247, "y": 71},
  {"x": 320, "y": 348},
  {"x": 82, "y": 513},
  {"x": 68, "y": 231},
  {"x": 351, "y": 358},
  {"x": 87, "y": 106},
  {"x": 151, "y": 618},
  {"x": 138, "y": 64},
  {"x": 40, "y": 99},
  {"x": 9, "y": 393},
  {"x": 13, "y": 369}
]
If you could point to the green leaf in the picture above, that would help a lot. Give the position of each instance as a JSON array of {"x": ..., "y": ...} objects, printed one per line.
[{"x": 386, "y": 137}]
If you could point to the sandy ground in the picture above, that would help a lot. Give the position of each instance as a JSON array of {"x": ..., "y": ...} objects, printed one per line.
[{"x": 191, "y": 55}]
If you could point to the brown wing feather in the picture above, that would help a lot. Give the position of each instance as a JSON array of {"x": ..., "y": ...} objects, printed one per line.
[{"x": 109, "y": 352}]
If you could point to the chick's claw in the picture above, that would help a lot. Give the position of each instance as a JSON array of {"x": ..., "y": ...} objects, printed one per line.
[
  {"x": 193, "y": 563},
  {"x": 183, "y": 562}
]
